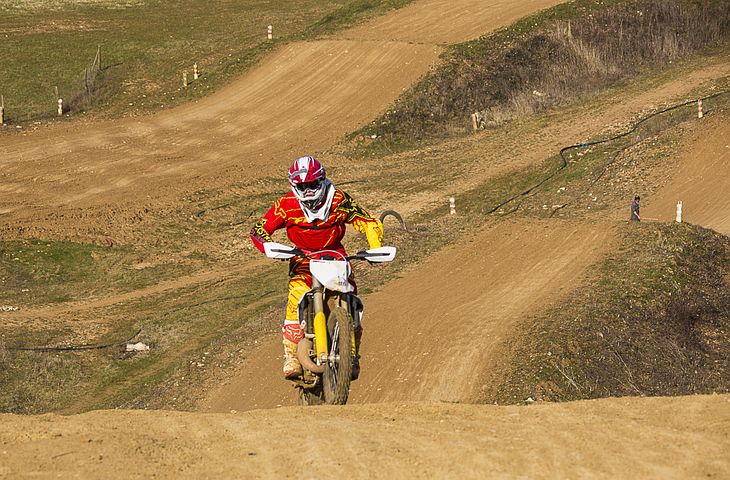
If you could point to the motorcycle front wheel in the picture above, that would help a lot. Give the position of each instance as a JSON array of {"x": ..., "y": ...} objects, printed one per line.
[{"x": 338, "y": 372}]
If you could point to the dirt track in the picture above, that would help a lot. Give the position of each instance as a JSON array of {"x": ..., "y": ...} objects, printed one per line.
[
  {"x": 301, "y": 99},
  {"x": 702, "y": 180},
  {"x": 612, "y": 438},
  {"x": 427, "y": 332},
  {"x": 532, "y": 263}
]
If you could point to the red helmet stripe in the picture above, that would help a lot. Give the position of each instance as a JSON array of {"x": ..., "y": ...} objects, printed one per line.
[{"x": 306, "y": 169}]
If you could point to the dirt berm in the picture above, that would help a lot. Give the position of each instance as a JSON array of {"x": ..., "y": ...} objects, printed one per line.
[{"x": 611, "y": 438}]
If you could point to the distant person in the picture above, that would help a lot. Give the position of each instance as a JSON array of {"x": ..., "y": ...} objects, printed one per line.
[{"x": 635, "y": 217}]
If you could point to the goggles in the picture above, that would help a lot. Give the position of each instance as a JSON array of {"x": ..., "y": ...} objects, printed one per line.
[{"x": 305, "y": 186}]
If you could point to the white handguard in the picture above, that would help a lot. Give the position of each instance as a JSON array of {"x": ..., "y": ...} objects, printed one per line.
[
  {"x": 278, "y": 250},
  {"x": 380, "y": 254}
]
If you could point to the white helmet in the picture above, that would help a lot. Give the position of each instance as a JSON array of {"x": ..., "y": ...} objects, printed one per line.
[{"x": 308, "y": 181}]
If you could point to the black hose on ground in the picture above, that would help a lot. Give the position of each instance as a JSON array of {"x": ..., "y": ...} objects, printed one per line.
[{"x": 598, "y": 142}]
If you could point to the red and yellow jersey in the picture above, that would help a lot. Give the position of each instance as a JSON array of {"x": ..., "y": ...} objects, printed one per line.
[{"x": 320, "y": 234}]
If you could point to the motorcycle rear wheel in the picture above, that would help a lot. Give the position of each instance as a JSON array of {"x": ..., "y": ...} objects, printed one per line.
[{"x": 337, "y": 374}]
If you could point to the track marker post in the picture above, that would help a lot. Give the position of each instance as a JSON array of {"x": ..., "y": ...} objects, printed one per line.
[
  {"x": 60, "y": 107},
  {"x": 270, "y": 32},
  {"x": 700, "y": 112},
  {"x": 679, "y": 212},
  {"x": 452, "y": 206},
  {"x": 2, "y": 110},
  {"x": 195, "y": 71},
  {"x": 185, "y": 79}
]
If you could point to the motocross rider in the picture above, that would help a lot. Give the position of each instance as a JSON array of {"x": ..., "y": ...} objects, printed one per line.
[{"x": 314, "y": 214}]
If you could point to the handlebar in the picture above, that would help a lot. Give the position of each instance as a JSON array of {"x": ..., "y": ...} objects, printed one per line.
[
  {"x": 283, "y": 252},
  {"x": 298, "y": 252}
]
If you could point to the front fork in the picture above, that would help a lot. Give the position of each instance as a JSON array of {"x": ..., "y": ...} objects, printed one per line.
[{"x": 319, "y": 324}]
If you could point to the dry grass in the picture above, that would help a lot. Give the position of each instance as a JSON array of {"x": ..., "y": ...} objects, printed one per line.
[
  {"x": 4, "y": 357},
  {"x": 573, "y": 51},
  {"x": 53, "y": 5},
  {"x": 653, "y": 321}
]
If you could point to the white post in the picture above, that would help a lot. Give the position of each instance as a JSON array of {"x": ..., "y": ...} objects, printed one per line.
[
  {"x": 2, "y": 110},
  {"x": 60, "y": 107},
  {"x": 700, "y": 113},
  {"x": 270, "y": 32},
  {"x": 452, "y": 206},
  {"x": 195, "y": 71},
  {"x": 185, "y": 79},
  {"x": 474, "y": 123},
  {"x": 679, "y": 212}
]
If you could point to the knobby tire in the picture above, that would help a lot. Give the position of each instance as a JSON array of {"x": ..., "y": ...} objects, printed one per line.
[{"x": 336, "y": 378}]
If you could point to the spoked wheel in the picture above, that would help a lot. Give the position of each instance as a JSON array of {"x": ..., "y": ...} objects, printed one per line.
[{"x": 336, "y": 378}]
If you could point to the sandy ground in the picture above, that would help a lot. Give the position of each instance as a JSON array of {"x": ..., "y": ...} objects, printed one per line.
[
  {"x": 612, "y": 438},
  {"x": 437, "y": 332},
  {"x": 702, "y": 180}
]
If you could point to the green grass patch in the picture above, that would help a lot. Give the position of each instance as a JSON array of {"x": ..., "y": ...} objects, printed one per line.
[
  {"x": 145, "y": 47},
  {"x": 178, "y": 325},
  {"x": 34, "y": 272},
  {"x": 36, "y": 382}
]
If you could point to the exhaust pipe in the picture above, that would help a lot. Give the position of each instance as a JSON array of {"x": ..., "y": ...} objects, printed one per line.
[{"x": 303, "y": 348}]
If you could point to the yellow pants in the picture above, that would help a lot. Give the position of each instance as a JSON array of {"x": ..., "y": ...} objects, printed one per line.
[{"x": 297, "y": 288}]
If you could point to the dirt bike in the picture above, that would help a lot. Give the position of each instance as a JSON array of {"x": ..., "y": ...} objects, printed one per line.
[{"x": 329, "y": 314}]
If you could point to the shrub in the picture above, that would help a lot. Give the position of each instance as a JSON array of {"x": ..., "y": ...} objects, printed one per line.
[{"x": 512, "y": 74}]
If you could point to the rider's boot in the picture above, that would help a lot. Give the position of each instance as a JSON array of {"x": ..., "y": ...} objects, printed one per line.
[
  {"x": 292, "y": 334},
  {"x": 356, "y": 358},
  {"x": 292, "y": 367}
]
